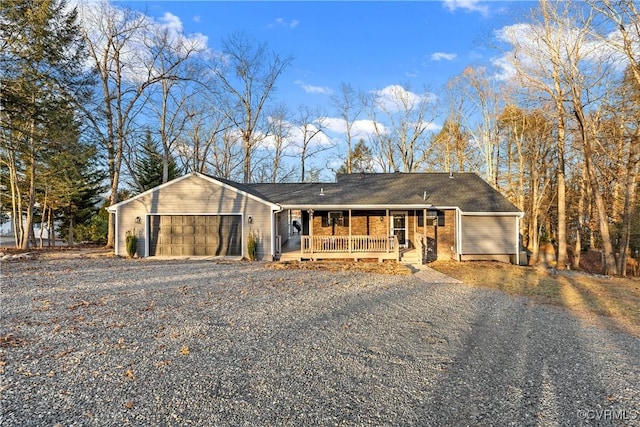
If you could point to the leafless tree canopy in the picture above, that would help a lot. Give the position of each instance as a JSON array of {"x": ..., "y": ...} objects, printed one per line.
[{"x": 552, "y": 122}]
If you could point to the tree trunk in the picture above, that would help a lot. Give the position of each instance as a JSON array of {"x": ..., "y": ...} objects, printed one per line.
[
  {"x": 581, "y": 201},
  {"x": 16, "y": 200},
  {"x": 113, "y": 199},
  {"x": 28, "y": 227},
  {"x": 562, "y": 190},
  {"x": 629, "y": 199},
  {"x": 610, "y": 266},
  {"x": 303, "y": 157},
  {"x": 534, "y": 235},
  {"x": 246, "y": 168},
  {"x": 52, "y": 231},
  {"x": 42, "y": 221},
  {"x": 70, "y": 236}
]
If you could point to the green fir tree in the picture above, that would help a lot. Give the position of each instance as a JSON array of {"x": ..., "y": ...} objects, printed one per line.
[{"x": 148, "y": 166}]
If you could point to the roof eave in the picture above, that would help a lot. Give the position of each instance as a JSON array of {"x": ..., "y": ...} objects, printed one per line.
[{"x": 274, "y": 206}]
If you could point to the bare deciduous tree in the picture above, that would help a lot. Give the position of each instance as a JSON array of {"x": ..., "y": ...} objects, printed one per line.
[
  {"x": 248, "y": 72},
  {"x": 404, "y": 141},
  {"x": 279, "y": 133},
  {"x": 537, "y": 58},
  {"x": 480, "y": 117},
  {"x": 349, "y": 104},
  {"x": 179, "y": 83},
  {"x": 116, "y": 38},
  {"x": 310, "y": 124}
]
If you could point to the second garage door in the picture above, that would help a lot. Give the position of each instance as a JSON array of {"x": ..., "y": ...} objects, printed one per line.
[{"x": 204, "y": 235}]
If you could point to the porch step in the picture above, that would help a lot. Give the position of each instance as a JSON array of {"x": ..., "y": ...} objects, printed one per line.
[{"x": 410, "y": 257}]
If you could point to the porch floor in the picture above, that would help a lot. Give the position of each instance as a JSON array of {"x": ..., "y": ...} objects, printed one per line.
[{"x": 290, "y": 249}]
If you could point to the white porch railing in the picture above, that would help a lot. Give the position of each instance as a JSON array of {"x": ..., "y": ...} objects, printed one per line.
[{"x": 349, "y": 244}]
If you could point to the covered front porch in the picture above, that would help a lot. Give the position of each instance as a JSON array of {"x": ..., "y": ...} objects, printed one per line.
[
  {"x": 400, "y": 235},
  {"x": 299, "y": 247}
]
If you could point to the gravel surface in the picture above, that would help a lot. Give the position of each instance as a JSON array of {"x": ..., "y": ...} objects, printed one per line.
[{"x": 116, "y": 342}]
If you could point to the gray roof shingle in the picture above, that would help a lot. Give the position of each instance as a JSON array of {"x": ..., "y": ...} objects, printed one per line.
[{"x": 467, "y": 191}]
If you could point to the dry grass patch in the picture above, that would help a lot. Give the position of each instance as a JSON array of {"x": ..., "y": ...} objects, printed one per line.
[
  {"x": 611, "y": 301},
  {"x": 387, "y": 267}
]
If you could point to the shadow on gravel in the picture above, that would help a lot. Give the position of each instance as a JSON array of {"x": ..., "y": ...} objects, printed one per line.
[
  {"x": 597, "y": 303},
  {"x": 203, "y": 343},
  {"x": 602, "y": 300},
  {"x": 530, "y": 365}
]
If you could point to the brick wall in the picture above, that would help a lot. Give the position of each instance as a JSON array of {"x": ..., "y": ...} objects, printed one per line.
[
  {"x": 367, "y": 223},
  {"x": 446, "y": 236},
  {"x": 363, "y": 223}
]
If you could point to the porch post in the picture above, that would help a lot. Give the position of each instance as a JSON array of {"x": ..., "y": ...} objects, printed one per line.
[
  {"x": 425, "y": 250},
  {"x": 415, "y": 226},
  {"x": 349, "y": 231},
  {"x": 310, "y": 230},
  {"x": 388, "y": 231}
]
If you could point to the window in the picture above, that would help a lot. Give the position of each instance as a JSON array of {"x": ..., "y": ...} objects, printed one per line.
[
  {"x": 338, "y": 218},
  {"x": 435, "y": 218}
]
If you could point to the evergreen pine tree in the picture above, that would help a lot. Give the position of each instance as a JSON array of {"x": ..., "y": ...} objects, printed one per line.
[
  {"x": 148, "y": 166},
  {"x": 75, "y": 185},
  {"x": 43, "y": 80}
]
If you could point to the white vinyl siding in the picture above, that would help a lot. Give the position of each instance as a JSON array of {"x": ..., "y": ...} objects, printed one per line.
[
  {"x": 488, "y": 234},
  {"x": 194, "y": 195}
]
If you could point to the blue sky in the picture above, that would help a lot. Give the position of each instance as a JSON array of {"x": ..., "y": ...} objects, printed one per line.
[
  {"x": 374, "y": 46},
  {"x": 370, "y": 45}
]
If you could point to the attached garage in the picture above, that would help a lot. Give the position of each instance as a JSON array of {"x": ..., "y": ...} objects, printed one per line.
[
  {"x": 197, "y": 215},
  {"x": 489, "y": 236},
  {"x": 200, "y": 235}
]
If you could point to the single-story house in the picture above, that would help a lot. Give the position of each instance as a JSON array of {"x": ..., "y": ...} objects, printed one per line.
[{"x": 413, "y": 217}]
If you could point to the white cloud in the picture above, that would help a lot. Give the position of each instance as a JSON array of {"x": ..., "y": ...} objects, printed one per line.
[
  {"x": 171, "y": 22},
  {"x": 197, "y": 18},
  {"x": 323, "y": 90},
  {"x": 396, "y": 98},
  {"x": 359, "y": 128},
  {"x": 293, "y": 142},
  {"x": 281, "y": 22},
  {"x": 431, "y": 126},
  {"x": 439, "y": 56},
  {"x": 96, "y": 17},
  {"x": 506, "y": 70},
  {"x": 532, "y": 55},
  {"x": 469, "y": 5}
]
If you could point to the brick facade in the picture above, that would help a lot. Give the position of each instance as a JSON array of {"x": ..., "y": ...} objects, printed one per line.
[
  {"x": 446, "y": 236},
  {"x": 368, "y": 223},
  {"x": 363, "y": 223}
]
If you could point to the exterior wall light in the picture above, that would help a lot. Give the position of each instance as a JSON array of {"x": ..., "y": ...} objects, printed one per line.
[
  {"x": 250, "y": 219},
  {"x": 138, "y": 220}
]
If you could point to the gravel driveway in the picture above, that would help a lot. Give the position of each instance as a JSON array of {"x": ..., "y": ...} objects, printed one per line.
[{"x": 111, "y": 342}]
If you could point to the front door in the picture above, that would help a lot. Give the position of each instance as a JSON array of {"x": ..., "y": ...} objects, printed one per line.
[{"x": 399, "y": 228}]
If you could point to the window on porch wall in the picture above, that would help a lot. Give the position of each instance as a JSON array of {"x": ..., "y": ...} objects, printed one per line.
[{"x": 332, "y": 223}]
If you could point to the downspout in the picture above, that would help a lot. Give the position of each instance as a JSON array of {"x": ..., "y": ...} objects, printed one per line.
[
  {"x": 518, "y": 245},
  {"x": 517, "y": 240},
  {"x": 458, "y": 234},
  {"x": 273, "y": 230}
]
